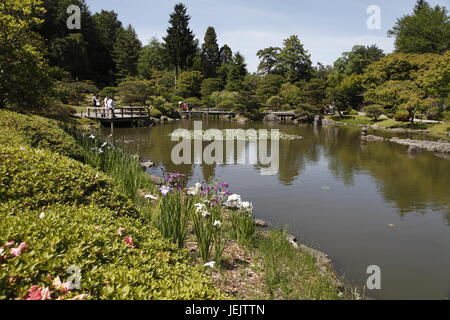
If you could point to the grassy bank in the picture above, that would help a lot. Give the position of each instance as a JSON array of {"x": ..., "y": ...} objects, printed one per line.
[
  {"x": 435, "y": 129},
  {"x": 77, "y": 200}
]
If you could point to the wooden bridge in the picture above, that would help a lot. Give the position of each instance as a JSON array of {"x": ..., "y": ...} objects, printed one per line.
[
  {"x": 208, "y": 112},
  {"x": 218, "y": 113},
  {"x": 117, "y": 114}
]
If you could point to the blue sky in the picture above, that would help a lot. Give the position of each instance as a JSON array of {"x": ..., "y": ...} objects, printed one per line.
[{"x": 326, "y": 27}]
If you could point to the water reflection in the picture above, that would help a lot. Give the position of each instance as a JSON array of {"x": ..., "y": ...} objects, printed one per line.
[
  {"x": 413, "y": 183},
  {"x": 342, "y": 195}
]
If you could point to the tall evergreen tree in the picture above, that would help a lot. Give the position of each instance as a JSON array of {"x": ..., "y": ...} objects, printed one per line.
[
  {"x": 107, "y": 26},
  {"x": 268, "y": 60},
  {"x": 210, "y": 54},
  {"x": 237, "y": 71},
  {"x": 126, "y": 52},
  {"x": 294, "y": 61},
  {"x": 426, "y": 30},
  {"x": 179, "y": 42},
  {"x": 226, "y": 54}
]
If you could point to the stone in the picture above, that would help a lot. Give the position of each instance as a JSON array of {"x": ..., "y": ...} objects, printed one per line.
[
  {"x": 146, "y": 164},
  {"x": 292, "y": 240},
  {"x": 414, "y": 149},
  {"x": 261, "y": 223},
  {"x": 271, "y": 117},
  {"x": 372, "y": 138}
]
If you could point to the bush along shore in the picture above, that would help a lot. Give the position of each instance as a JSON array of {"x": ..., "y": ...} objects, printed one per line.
[{"x": 80, "y": 219}]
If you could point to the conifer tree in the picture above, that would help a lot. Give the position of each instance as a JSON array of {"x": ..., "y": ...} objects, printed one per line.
[
  {"x": 126, "y": 52},
  {"x": 210, "y": 54},
  {"x": 180, "y": 40}
]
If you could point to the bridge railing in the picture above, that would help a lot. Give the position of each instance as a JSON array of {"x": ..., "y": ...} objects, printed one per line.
[{"x": 123, "y": 112}]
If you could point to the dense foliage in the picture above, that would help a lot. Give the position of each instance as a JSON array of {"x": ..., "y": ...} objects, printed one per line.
[{"x": 57, "y": 213}]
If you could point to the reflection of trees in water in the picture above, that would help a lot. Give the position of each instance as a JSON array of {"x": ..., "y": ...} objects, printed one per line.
[{"x": 413, "y": 183}]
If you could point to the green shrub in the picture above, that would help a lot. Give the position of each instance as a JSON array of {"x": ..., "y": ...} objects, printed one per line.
[
  {"x": 352, "y": 112},
  {"x": 94, "y": 240},
  {"x": 446, "y": 115},
  {"x": 401, "y": 115},
  {"x": 155, "y": 113},
  {"x": 35, "y": 178},
  {"x": 37, "y": 132},
  {"x": 374, "y": 111}
]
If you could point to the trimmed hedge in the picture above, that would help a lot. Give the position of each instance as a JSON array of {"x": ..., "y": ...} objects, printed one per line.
[
  {"x": 36, "y": 132},
  {"x": 35, "y": 178},
  {"x": 64, "y": 213},
  {"x": 87, "y": 237}
]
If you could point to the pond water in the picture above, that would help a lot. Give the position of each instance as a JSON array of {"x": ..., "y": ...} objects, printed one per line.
[{"x": 361, "y": 203}]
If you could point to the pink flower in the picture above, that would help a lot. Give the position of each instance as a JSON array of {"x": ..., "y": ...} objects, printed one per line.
[
  {"x": 18, "y": 251},
  {"x": 79, "y": 297},
  {"x": 129, "y": 242},
  {"x": 62, "y": 287},
  {"x": 9, "y": 244},
  {"x": 38, "y": 293}
]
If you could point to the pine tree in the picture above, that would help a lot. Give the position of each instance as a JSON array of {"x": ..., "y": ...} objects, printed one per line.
[
  {"x": 179, "y": 42},
  {"x": 294, "y": 60},
  {"x": 126, "y": 52},
  {"x": 226, "y": 54},
  {"x": 426, "y": 30},
  {"x": 237, "y": 70},
  {"x": 210, "y": 54},
  {"x": 421, "y": 4}
]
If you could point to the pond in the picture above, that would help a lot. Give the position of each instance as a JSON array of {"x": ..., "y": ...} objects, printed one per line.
[{"x": 362, "y": 203}]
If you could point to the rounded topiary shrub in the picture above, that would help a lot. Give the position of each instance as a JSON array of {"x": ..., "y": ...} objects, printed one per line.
[
  {"x": 401, "y": 115},
  {"x": 155, "y": 113}
]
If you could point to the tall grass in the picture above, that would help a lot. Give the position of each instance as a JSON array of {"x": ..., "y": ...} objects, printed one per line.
[
  {"x": 243, "y": 226},
  {"x": 291, "y": 273},
  {"x": 173, "y": 217},
  {"x": 208, "y": 230}
]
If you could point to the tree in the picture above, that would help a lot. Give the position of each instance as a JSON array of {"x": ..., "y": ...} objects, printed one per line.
[
  {"x": 189, "y": 84},
  {"x": 275, "y": 103},
  {"x": 226, "y": 54},
  {"x": 58, "y": 37},
  {"x": 126, "y": 53},
  {"x": 237, "y": 71},
  {"x": 72, "y": 53},
  {"x": 209, "y": 86},
  {"x": 294, "y": 61},
  {"x": 180, "y": 44},
  {"x": 210, "y": 55},
  {"x": 426, "y": 30},
  {"x": 268, "y": 86},
  {"x": 134, "y": 92},
  {"x": 347, "y": 93},
  {"x": 358, "y": 59},
  {"x": 152, "y": 57},
  {"x": 24, "y": 80},
  {"x": 268, "y": 60},
  {"x": 107, "y": 26},
  {"x": 374, "y": 111}
]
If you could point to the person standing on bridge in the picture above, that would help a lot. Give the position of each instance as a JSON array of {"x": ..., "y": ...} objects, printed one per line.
[{"x": 94, "y": 100}]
